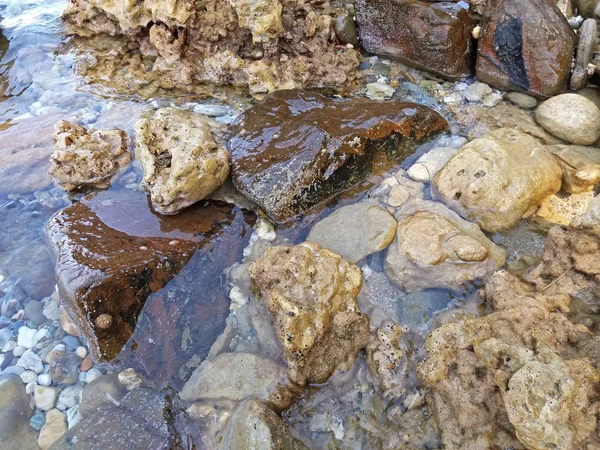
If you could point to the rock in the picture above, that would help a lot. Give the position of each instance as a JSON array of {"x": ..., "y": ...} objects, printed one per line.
[
  {"x": 435, "y": 248},
  {"x": 53, "y": 429},
  {"x": 71, "y": 342},
  {"x": 425, "y": 168},
  {"x": 253, "y": 426},
  {"x": 526, "y": 46},
  {"x": 521, "y": 100},
  {"x": 143, "y": 419},
  {"x": 130, "y": 379},
  {"x": 564, "y": 209},
  {"x": 29, "y": 376},
  {"x": 234, "y": 376},
  {"x": 65, "y": 369},
  {"x": 84, "y": 159},
  {"x": 27, "y": 337},
  {"x": 181, "y": 162},
  {"x": 15, "y": 432},
  {"x": 580, "y": 166},
  {"x": 99, "y": 393},
  {"x": 385, "y": 356},
  {"x": 588, "y": 40},
  {"x": 477, "y": 91},
  {"x": 44, "y": 379},
  {"x": 92, "y": 375},
  {"x": 570, "y": 117},
  {"x": 31, "y": 361},
  {"x": 34, "y": 312},
  {"x": 430, "y": 36},
  {"x": 345, "y": 28},
  {"x": 86, "y": 364},
  {"x": 493, "y": 99},
  {"x": 37, "y": 421},
  {"x": 586, "y": 7},
  {"x": 379, "y": 91},
  {"x": 478, "y": 182},
  {"x": 68, "y": 324},
  {"x": 73, "y": 416},
  {"x": 45, "y": 397},
  {"x": 71, "y": 395},
  {"x": 94, "y": 241},
  {"x": 356, "y": 131},
  {"x": 81, "y": 352},
  {"x": 355, "y": 231},
  {"x": 311, "y": 294}
]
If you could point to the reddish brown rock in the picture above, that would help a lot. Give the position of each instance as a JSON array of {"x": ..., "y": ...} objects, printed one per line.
[
  {"x": 112, "y": 252},
  {"x": 299, "y": 148},
  {"x": 526, "y": 46},
  {"x": 430, "y": 36}
]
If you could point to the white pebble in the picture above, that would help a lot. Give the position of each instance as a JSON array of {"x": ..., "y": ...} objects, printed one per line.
[
  {"x": 19, "y": 350},
  {"x": 29, "y": 388},
  {"x": 29, "y": 376},
  {"x": 27, "y": 337},
  {"x": 9, "y": 346},
  {"x": 81, "y": 352},
  {"x": 42, "y": 334},
  {"x": 44, "y": 379},
  {"x": 265, "y": 230},
  {"x": 237, "y": 296},
  {"x": 45, "y": 397},
  {"x": 92, "y": 374}
]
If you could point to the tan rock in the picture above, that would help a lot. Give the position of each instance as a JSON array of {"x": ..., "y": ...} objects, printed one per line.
[
  {"x": 81, "y": 158},
  {"x": 571, "y": 117},
  {"x": 497, "y": 179},
  {"x": 580, "y": 166},
  {"x": 181, "y": 162},
  {"x": 68, "y": 324},
  {"x": 311, "y": 293},
  {"x": 565, "y": 209},
  {"x": 261, "y": 17},
  {"x": 386, "y": 358},
  {"x": 53, "y": 429}
]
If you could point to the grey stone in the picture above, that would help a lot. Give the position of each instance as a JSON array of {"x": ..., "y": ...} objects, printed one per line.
[
  {"x": 65, "y": 369},
  {"x": 100, "y": 393},
  {"x": 15, "y": 432},
  {"x": 34, "y": 311},
  {"x": 71, "y": 396},
  {"x": 521, "y": 100},
  {"x": 588, "y": 40},
  {"x": 31, "y": 361}
]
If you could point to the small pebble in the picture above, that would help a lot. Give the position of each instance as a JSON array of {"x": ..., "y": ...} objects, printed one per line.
[
  {"x": 71, "y": 341},
  {"x": 86, "y": 364},
  {"x": 29, "y": 376},
  {"x": 44, "y": 379},
  {"x": 19, "y": 350},
  {"x": 81, "y": 352},
  {"x": 92, "y": 374},
  {"x": 29, "y": 387},
  {"x": 37, "y": 421},
  {"x": 521, "y": 100},
  {"x": 27, "y": 337},
  {"x": 130, "y": 379}
]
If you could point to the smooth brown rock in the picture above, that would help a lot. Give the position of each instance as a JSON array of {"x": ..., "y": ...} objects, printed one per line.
[
  {"x": 112, "y": 252},
  {"x": 526, "y": 46},
  {"x": 299, "y": 148},
  {"x": 430, "y": 36}
]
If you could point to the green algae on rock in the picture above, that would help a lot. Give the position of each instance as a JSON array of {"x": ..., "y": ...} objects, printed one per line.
[{"x": 299, "y": 148}]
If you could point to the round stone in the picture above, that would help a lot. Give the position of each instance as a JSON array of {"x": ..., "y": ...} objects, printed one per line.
[{"x": 570, "y": 117}]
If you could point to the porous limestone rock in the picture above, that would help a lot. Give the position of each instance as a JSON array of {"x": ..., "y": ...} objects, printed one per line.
[
  {"x": 497, "y": 179},
  {"x": 571, "y": 117},
  {"x": 311, "y": 294},
  {"x": 261, "y": 17},
  {"x": 87, "y": 159},
  {"x": 181, "y": 162},
  {"x": 435, "y": 248},
  {"x": 355, "y": 231},
  {"x": 580, "y": 166},
  {"x": 386, "y": 358}
]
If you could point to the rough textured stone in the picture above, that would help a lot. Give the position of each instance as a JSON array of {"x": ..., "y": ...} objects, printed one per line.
[
  {"x": 580, "y": 166},
  {"x": 53, "y": 429},
  {"x": 253, "y": 426},
  {"x": 355, "y": 231},
  {"x": 497, "y": 179},
  {"x": 84, "y": 159},
  {"x": 95, "y": 241},
  {"x": 385, "y": 357},
  {"x": 65, "y": 369},
  {"x": 311, "y": 294},
  {"x": 588, "y": 40},
  {"x": 526, "y": 46},
  {"x": 430, "y": 36},
  {"x": 571, "y": 117},
  {"x": 181, "y": 162},
  {"x": 264, "y": 44},
  {"x": 15, "y": 432},
  {"x": 565, "y": 209},
  {"x": 45, "y": 397},
  {"x": 329, "y": 146},
  {"x": 143, "y": 419}
]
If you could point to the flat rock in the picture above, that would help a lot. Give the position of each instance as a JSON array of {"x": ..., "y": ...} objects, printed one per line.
[
  {"x": 570, "y": 117},
  {"x": 522, "y": 100},
  {"x": 299, "y": 148},
  {"x": 54, "y": 428},
  {"x": 525, "y": 46},
  {"x": 580, "y": 166},
  {"x": 355, "y": 231},
  {"x": 112, "y": 252},
  {"x": 497, "y": 179},
  {"x": 435, "y": 37}
]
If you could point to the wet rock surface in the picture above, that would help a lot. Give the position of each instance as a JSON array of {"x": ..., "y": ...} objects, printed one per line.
[
  {"x": 432, "y": 36},
  {"x": 329, "y": 146},
  {"x": 580, "y": 166},
  {"x": 525, "y": 45},
  {"x": 181, "y": 161},
  {"x": 480, "y": 181},
  {"x": 15, "y": 433}
]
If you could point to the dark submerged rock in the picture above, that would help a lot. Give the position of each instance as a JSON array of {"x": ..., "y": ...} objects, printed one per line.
[
  {"x": 525, "y": 45},
  {"x": 299, "y": 148},
  {"x": 430, "y": 36}
]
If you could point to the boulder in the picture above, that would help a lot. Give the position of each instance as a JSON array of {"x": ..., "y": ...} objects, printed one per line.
[
  {"x": 497, "y": 179},
  {"x": 430, "y": 36},
  {"x": 87, "y": 159},
  {"x": 580, "y": 166},
  {"x": 571, "y": 117},
  {"x": 525, "y": 46},
  {"x": 299, "y": 148},
  {"x": 253, "y": 426},
  {"x": 107, "y": 264},
  {"x": 355, "y": 231},
  {"x": 15, "y": 412},
  {"x": 311, "y": 294},
  {"x": 435, "y": 248},
  {"x": 181, "y": 162}
]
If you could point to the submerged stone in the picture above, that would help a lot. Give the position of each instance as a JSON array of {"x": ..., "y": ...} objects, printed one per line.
[
  {"x": 112, "y": 252},
  {"x": 430, "y": 36},
  {"x": 525, "y": 45},
  {"x": 299, "y": 148}
]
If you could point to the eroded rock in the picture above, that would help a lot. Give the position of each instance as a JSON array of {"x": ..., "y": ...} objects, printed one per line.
[
  {"x": 181, "y": 162},
  {"x": 497, "y": 179},
  {"x": 87, "y": 159},
  {"x": 525, "y": 45},
  {"x": 386, "y": 357},
  {"x": 329, "y": 146},
  {"x": 580, "y": 166},
  {"x": 430, "y": 36},
  {"x": 311, "y": 294}
]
